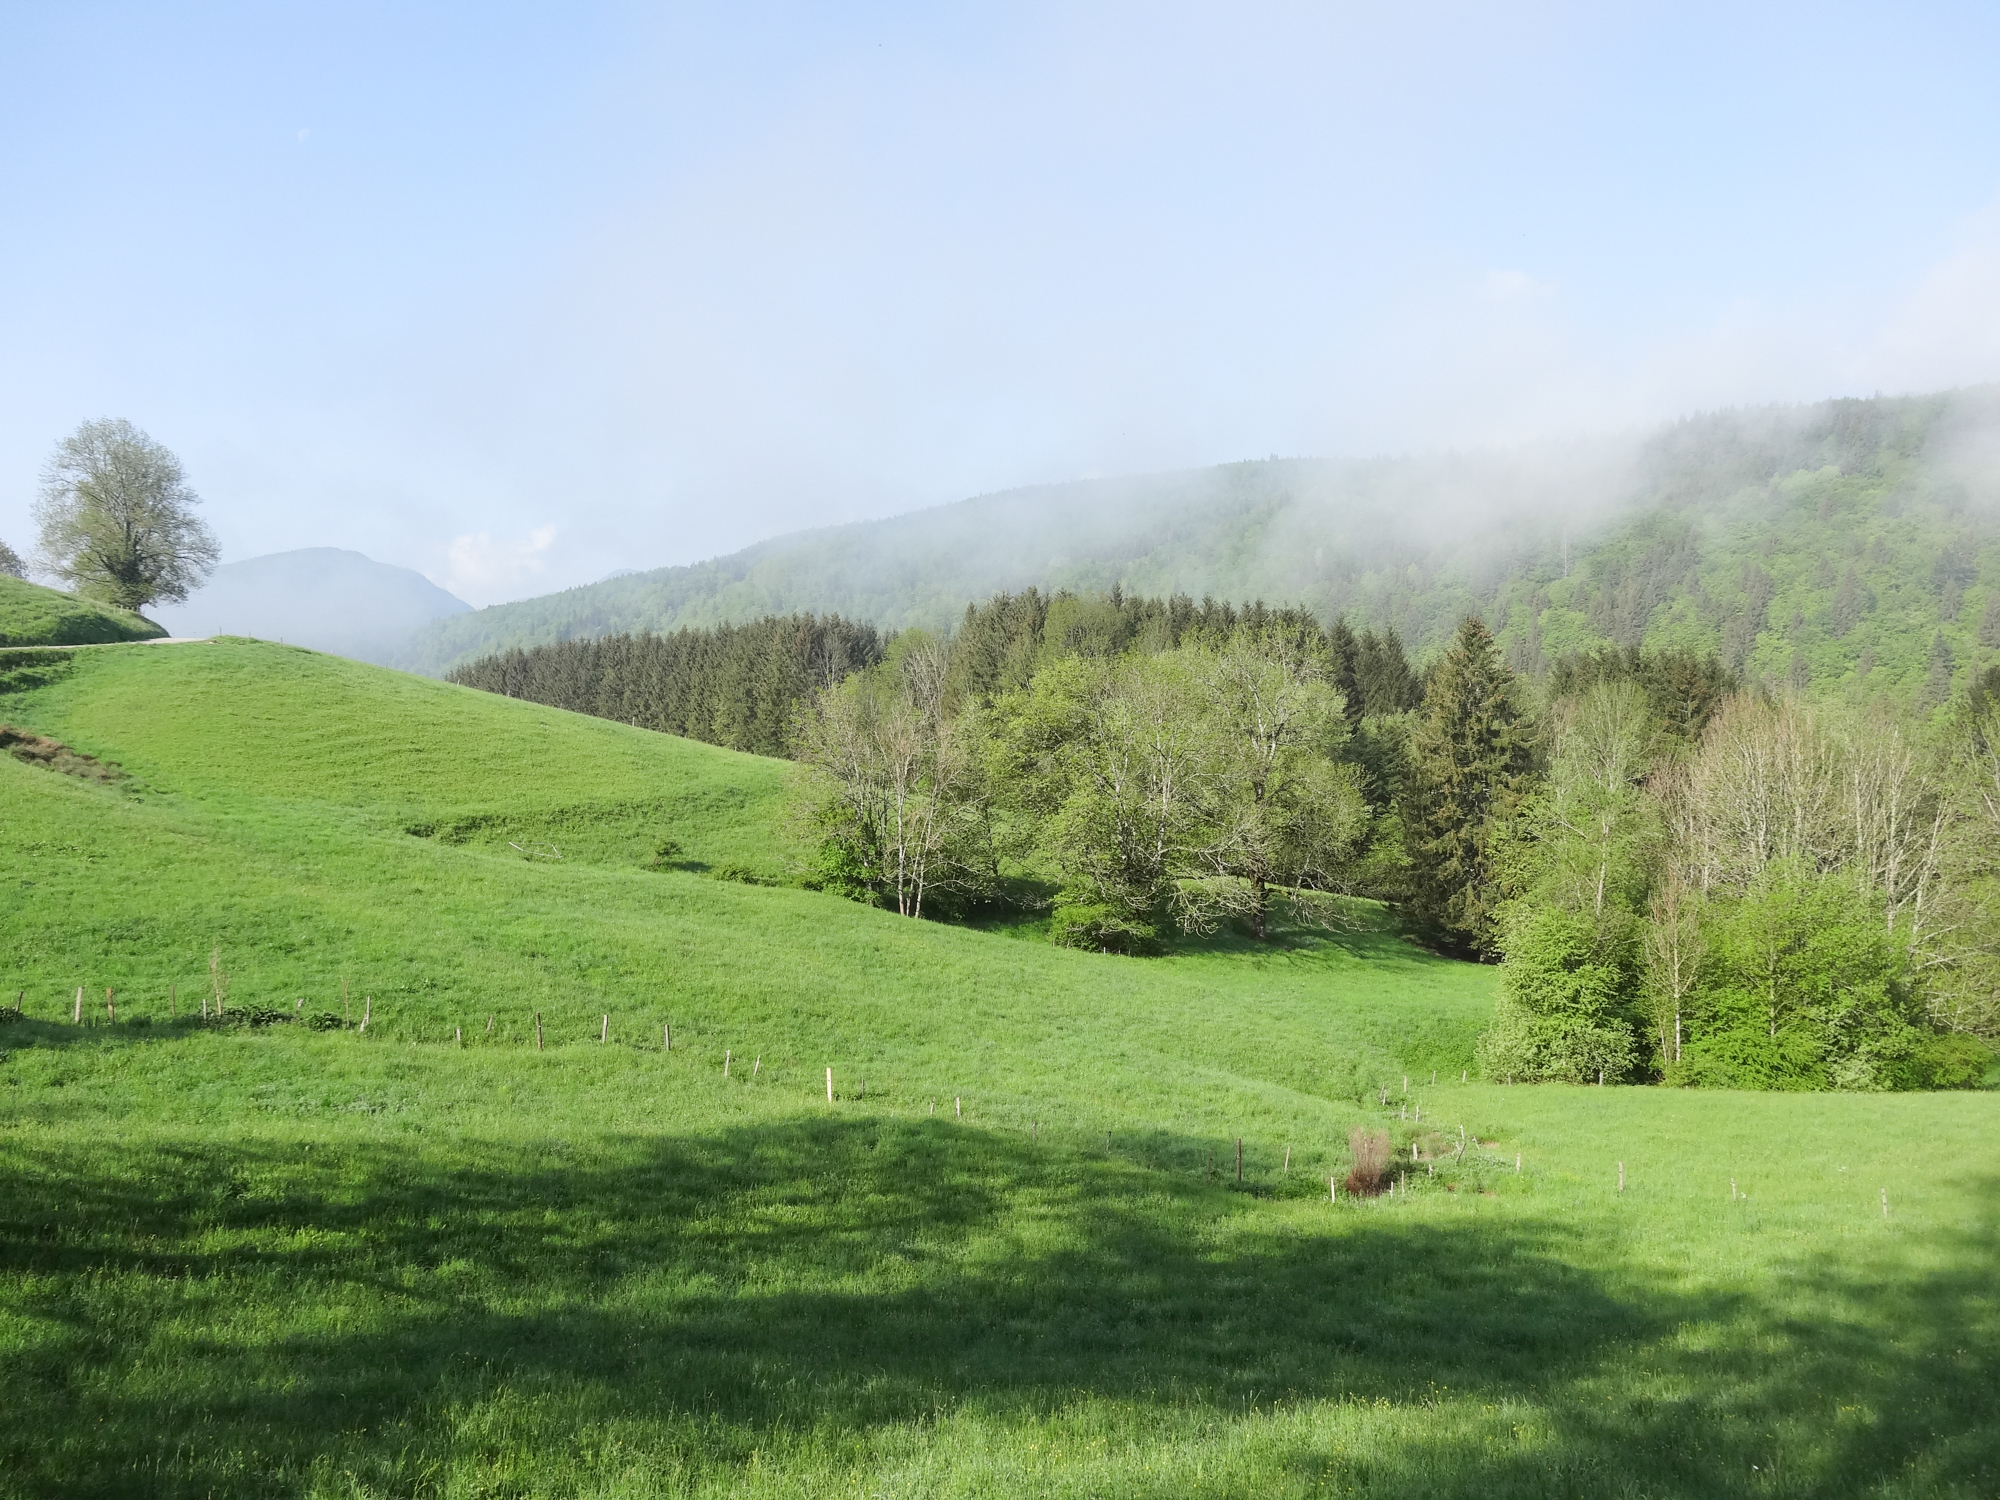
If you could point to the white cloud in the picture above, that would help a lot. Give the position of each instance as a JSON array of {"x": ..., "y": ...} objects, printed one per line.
[{"x": 480, "y": 569}]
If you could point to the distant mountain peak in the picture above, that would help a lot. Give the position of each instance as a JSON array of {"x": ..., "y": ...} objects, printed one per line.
[{"x": 328, "y": 598}]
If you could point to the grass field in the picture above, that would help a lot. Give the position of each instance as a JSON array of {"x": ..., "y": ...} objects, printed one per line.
[
  {"x": 31, "y": 615},
  {"x": 249, "y": 1259}
]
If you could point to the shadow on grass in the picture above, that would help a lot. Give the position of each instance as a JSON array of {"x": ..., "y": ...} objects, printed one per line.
[
  {"x": 19, "y": 1033},
  {"x": 213, "y": 1319}
]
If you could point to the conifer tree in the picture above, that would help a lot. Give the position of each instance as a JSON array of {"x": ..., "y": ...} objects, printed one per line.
[
  {"x": 1470, "y": 760},
  {"x": 1383, "y": 676},
  {"x": 1343, "y": 654}
]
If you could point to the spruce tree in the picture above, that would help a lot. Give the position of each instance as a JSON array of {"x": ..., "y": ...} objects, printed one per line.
[
  {"x": 1343, "y": 651},
  {"x": 1470, "y": 762},
  {"x": 1387, "y": 684}
]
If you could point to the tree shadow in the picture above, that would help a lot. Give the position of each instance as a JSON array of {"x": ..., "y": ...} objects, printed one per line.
[{"x": 350, "y": 1303}]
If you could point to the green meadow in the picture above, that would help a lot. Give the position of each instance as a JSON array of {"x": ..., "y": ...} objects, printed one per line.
[
  {"x": 268, "y": 1252},
  {"x": 33, "y": 615}
]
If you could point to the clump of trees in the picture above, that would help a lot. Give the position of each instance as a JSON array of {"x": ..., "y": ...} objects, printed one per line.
[
  {"x": 11, "y": 564},
  {"x": 1681, "y": 880},
  {"x": 117, "y": 520},
  {"x": 1166, "y": 764},
  {"x": 1747, "y": 889}
]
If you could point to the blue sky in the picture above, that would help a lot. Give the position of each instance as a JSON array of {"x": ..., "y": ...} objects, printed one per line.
[{"x": 521, "y": 295}]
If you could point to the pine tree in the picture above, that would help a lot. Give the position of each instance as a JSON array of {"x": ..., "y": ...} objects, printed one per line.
[
  {"x": 1989, "y": 622},
  {"x": 1382, "y": 673},
  {"x": 1471, "y": 759},
  {"x": 1343, "y": 651}
]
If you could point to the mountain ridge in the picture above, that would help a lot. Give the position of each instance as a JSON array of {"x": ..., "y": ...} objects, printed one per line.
[{"x": 1561, "y": 546}]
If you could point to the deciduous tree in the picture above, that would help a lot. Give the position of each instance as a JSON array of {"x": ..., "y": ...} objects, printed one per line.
[{"x": 117, "y": 518}]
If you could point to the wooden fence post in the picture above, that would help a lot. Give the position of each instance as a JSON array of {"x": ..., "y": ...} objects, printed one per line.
[
  {"x": 725, "y": 1062},
  {"x": 829, "y": 1085},
  {"x": 76, "y": 1017},
  {"x": 110, "y": 1007},
  {"x": 1239, "y": 1158},
  {"x": 604, "y": 1031},
  {"x": 538, "y": 1031},
  {"x": 367, "y": 1011},
  {"x": 1621, "y": 1177},
  {"x": 666, "y": 1036}
]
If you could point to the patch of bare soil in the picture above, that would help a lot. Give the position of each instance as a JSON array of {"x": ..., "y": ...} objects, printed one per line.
[{"x": 40, "y": 750}]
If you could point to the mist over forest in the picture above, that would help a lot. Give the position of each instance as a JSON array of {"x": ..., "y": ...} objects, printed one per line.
[{"x": 1815, "y": 544}]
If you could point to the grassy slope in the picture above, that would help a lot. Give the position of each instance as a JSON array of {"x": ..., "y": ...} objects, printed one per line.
[
  {"x": 279, "y": 1262},
  {"x": 31, "y": 615}
]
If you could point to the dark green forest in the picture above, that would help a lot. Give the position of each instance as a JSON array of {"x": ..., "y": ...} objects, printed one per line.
[{"x": 734, "y": 685}]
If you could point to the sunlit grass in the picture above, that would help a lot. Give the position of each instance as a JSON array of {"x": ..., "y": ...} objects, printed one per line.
[{"x": 265, "y": 1260}]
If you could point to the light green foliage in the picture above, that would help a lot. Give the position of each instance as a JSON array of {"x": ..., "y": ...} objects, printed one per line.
[
  {"x": 117, "y": 518},
  {"x": 1805, "y": 988},
  {"x": 1097, "y": 763},
  {"x": 1201, "y": 781},
  {"x": 1278, "y": 812},
  {"x": 31, "y": 615},
  {"x": 258, "y": 1260},
  {"x": 893, "y": 800},
  {"x": 1579, "y": 867}
]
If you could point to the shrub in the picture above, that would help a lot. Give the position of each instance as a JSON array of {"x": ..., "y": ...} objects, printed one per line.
[
  {"x": 1956, "y": 1061},
  {"x": 1370, "y": 1149},
  {"x": 1102, "y": 929}
]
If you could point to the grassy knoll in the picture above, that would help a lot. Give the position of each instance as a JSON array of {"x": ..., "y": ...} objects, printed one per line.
[
  {"x": 259, "y": 1259},
  {"x": 31, "y": 615}
]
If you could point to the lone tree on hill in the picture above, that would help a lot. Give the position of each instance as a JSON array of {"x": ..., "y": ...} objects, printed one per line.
[
  {"x": 117, "y": 518},
  {"x": 10, "y": 562}
]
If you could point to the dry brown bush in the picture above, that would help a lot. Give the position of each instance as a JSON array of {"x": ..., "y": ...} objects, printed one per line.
[{"x": 1370, "y": 1149}]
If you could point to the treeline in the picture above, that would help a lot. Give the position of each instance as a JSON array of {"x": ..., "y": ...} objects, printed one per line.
[{"x": 740, "y": 686}]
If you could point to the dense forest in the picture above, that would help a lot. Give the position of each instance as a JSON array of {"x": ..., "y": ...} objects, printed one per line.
[
  {"x": 1848, "y": 546},
  {"x": 735, "y": 685}
]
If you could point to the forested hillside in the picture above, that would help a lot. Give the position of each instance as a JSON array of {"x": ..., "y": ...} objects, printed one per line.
[{"x": 1845, "y": 542}]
